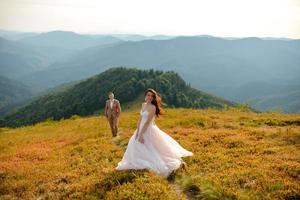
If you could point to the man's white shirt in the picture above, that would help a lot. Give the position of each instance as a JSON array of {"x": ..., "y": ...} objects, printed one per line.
[{"x": 111, "y": 103}]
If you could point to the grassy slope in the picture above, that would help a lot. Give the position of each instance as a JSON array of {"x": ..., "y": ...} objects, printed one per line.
[{"x": 238, "y": 155}]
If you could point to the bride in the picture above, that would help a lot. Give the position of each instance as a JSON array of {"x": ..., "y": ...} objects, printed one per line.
[{"x": 149, "y": 147}]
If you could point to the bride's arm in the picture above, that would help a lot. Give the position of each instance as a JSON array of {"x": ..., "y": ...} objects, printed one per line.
[
  {"x": 138, "y": 124},
  {"x": 146, "y": 124},
  {"x": 138, "y": 127}
]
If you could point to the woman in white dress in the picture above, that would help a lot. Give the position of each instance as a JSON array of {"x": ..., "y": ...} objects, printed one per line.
[{"x": 149, "y": 147}]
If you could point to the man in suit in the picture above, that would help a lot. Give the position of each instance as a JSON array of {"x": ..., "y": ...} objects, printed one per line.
[{"x": 112, "y": 113}]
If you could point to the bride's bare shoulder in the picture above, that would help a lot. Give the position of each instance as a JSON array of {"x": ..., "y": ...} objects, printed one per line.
[{"x": 152, "y": 107}]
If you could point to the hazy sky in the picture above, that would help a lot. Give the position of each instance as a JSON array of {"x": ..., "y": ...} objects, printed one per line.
[{"x": 237, "y": 18}]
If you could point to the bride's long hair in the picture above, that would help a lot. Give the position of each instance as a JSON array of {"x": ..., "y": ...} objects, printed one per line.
[{"x": 156, "y": 101}]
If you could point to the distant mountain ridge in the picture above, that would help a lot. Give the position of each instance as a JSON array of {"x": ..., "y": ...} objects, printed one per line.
[
  {"x": 18, "y": 59},
  {"x": 68, "y": 40},
  {"x": 202, "y": 61},
  {"x": 12, "y": 93},
  {"x": 264, "y": 96},
  {"x": 15, "y": 35}
]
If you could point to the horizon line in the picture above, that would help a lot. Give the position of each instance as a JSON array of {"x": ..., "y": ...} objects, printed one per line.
[{"x": 146, "y": 34}]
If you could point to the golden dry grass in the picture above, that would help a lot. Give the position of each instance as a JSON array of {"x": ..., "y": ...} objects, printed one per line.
[{"x": 237, "y": 155}]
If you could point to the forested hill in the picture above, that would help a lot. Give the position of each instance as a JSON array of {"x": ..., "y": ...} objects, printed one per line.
[{"x": 128, "y": 84}]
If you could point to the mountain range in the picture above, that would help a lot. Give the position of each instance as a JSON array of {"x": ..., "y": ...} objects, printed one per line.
[
  {"x": 12, "y": 94},
  {"x": 247, "y": 70}
]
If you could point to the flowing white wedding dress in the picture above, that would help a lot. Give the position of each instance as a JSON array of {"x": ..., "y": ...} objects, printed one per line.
[{"x": 159, "y": 152}]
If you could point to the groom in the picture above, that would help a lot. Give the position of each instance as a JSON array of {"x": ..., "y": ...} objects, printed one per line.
[{"x": 112, "y": 113}]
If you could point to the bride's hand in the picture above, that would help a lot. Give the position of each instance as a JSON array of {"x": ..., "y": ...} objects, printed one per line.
[
  {"x": 136, "y": 135},
  {"x": 141, "y": 139}
]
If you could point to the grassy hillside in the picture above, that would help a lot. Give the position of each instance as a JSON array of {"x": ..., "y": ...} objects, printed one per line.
[
  {"x": 237, "y": 155},
  {"x": 89, "y": 96}
]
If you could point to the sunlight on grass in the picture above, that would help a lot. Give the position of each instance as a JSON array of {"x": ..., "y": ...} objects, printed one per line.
[{"x": 238, "y": 154}]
